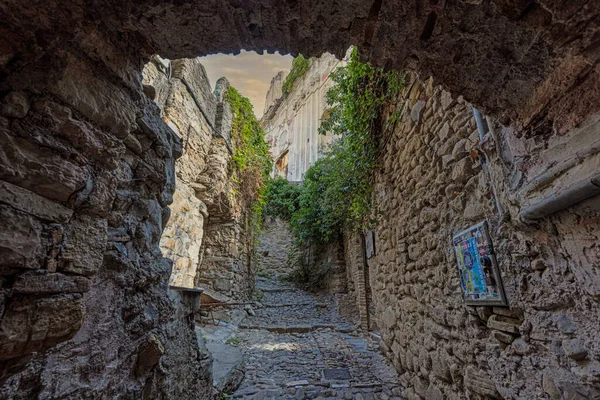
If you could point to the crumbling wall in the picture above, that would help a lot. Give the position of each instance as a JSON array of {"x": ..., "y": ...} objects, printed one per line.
[
  {"x": 432, "y": 186},
  {"x": 87, "y": 174},
  {"x": 291, "y": 123},
  {"x": 206, "y": 236}
]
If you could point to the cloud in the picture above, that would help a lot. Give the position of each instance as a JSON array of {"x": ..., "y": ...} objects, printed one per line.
[{"x": 248, "y": 72}]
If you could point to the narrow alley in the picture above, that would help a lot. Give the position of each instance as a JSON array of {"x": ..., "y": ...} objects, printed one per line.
[
  {"x": 300, "y": 199},
  {"x": 296, "y": 346}
]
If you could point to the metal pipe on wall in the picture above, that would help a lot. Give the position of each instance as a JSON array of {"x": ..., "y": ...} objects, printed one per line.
[
  {"x": 482, "y": 129},
  {"x": 562, "y": 199}
]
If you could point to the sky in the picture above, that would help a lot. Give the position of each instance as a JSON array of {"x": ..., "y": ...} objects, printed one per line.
[{"x": 248, "y": 72}]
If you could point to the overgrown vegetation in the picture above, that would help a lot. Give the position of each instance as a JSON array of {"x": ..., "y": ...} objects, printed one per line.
[
  {"x": 251, "y": 157},
  {"x": 299, "y": 67},
  {"x": 336, "y": 191},
  {"x": 283, "y": 198}
]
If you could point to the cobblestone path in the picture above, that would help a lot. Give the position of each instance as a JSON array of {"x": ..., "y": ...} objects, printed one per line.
[{"x": 297, "y": 347}]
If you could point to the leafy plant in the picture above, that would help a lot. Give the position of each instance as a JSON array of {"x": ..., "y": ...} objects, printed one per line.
[
  {"x": 282, "y": 198},
  {"x": 299, "y": 67},
  {"x": 233, "y": 341},
  {"x": 306, "y": 275},
  {"x": 336, "y": 191},
  {"x": 251, "y": 158}
]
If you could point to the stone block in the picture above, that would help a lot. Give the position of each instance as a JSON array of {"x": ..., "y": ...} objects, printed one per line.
[
  {"x": 433, "y": 393},
  {"x": 504, "y": 324},
  {"x": 49, "y": 283},
  {"x": 20, "y": 240},
  {"x": 16, "y": 104},
  {"x": 444, "y": 131},
  {"x": 564, "y": 323},
  {"x": 93, "y": 143},
  {"x": 484, "y": 313},
  {"x": 32, "y": 324},
  {"x": 149, "y": 354},
  {"x": 446, "y": 100},
  {"x": 520, "y": 347},
  {"x": 96, "y": 97},
  {"x": 479, "y": 381},
  {"x": 549, "y": 387},
  {"x": 574, "y": 349},
  {"x": 420, "y": 386},
  {"x": 83, "y": 246},
  {"x": 459, "y": 151},
  {"x": 440, "y": 365},
  {"x": 508, "y": 312},
  {"x": 31, "y": 203},
  {"x": 389, "y": 318},
  {"x": 462, "y": 170},
  {"x": 39, "y": 169},
  {"x": 503, "y": 338},
  {"x": 416, "y": 111}
]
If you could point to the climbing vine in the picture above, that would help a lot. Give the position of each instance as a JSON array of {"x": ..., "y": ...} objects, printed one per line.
[
  {"x": 336, "y": 191},
  {"x": 299, "y": 67},
  {"x": 251, "y": 158},
  {"x": 356, "y": 101}
]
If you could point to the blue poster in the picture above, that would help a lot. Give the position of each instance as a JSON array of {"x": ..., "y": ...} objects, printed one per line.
[{"x": 480, "y": 283}]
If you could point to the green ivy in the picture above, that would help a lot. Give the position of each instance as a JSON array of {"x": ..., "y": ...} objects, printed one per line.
[
  {"x": 299, "y": 67},
  {"x": 251, "y": 159},
  {"x": 336, "y": 191}
]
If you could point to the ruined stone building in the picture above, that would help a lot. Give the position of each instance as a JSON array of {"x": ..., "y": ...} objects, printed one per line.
[
  {"x": 91, "y": 191},
  {"x": 205, "y": 235},
  {"x": 291, "y": 123}
]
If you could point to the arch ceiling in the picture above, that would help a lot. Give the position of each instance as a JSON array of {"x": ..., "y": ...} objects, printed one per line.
[{"x": 515, "y": 59}]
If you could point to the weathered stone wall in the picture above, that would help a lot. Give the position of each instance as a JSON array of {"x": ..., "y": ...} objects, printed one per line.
[
  {"x": 291, "y": 124},
  {"x": 207, "y": 236},
  {"x": 528, "y": 61},
  {"x": 430, "y": 187},
  {"x": 275, "y": 91},
  {"x": 357, "y": 277},
  {"x": 110, "y": 161},
  {"x": 87, "y": 174},
  {"x": 275, "y": 243}
]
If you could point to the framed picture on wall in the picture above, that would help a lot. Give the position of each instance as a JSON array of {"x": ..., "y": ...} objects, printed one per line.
[{"x": 477, "y": 267}]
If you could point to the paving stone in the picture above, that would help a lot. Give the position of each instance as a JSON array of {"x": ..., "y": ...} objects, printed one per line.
[{"x": 313, "y": 338}]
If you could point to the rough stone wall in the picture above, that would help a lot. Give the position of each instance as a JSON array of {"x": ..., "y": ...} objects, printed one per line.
[
  {"x": 275, "y": 243},
  {"x": 291, "y": 124},
  {"x": 545, "y": 345},
  {"x": 528, "y": 61},
  {"x": 206, "y": 236},
  {"x": 356, "y": 277},
  {"x": 533, "y": 63},
  {"x": 87, "y": 174},
  {"x": 327, "y": 257},
  {"x": 275, "y": 91}
]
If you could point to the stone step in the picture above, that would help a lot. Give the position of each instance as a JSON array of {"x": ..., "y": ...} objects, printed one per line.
[
  {"x": 282, "y": 305},
  {"x": 289, "y": 329},
  {"x": 277, "y": 290}
]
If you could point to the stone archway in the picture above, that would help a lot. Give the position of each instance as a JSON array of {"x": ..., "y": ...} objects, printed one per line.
[{"x": 87, "y": 165}]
